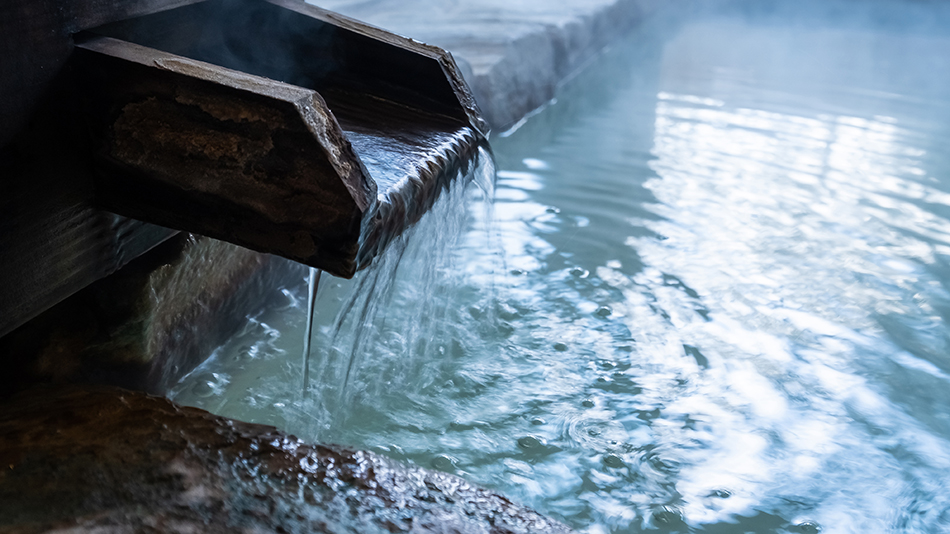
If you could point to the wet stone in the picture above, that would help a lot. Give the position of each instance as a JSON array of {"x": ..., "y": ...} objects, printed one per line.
[{"x": 95, "y": 459}]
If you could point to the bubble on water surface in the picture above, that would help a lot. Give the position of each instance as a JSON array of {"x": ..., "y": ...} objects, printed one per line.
[
  {"x": 578, "y": 272},
  {"x": 530, "y": 442},
  {"x": 309, "y": 463},
  {"x": 203, "y": 389},
  {"x": 603, "y": 311},
  {"x": 806, "y": 527}
]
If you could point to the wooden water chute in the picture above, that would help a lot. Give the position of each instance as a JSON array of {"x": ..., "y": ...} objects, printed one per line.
[{"x": 271, "y": 124}]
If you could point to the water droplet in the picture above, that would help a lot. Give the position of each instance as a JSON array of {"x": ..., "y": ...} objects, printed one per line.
[
  {"x": 443, "y": 463},
  {"x": 603, "y": 311},
  {"x": 612, "y": 460},
  {"x": 587, "y": 403},
  {"x": 203, "y": 389},
  {"x": 529, "y": 442},
  {"x": 578, "y": 272},
  {"x": 309, "y": 463},
  {"x": 593, "y": 432},
  {"x": 552, "y": 209},
  {"x": 560, "y": 347},
  {"x": 518, "y": 272},
  {"x": 537, "y": 421},
  {"x": 721, "y": 493},
  {"x": 807, "y": 527}
]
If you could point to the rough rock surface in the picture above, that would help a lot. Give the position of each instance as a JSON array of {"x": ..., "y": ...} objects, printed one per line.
[{"x": 99, "y": 459}]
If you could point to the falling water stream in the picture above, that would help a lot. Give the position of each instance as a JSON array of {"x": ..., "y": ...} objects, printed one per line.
[
  {"x": 313, "y": 283},
  {"x": 711, "y": 294}
]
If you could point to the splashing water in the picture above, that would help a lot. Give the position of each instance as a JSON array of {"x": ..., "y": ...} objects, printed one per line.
[
  {"x": 380, "y": 311},
  {"x": 711, "y": 295}
]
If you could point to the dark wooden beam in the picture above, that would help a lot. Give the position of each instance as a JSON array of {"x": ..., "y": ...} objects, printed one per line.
[
  {"x": 271, "y": 124},
  {"x": 198, "y": 147}
]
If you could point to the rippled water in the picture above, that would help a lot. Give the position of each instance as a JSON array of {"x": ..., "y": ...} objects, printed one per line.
[{"x": 711, "y": 296}]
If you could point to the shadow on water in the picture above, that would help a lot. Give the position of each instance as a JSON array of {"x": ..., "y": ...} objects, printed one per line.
[{"x": 711, "y": 294}]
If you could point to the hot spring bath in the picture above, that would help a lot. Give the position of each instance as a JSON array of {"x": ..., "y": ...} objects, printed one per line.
[{"x": 711, "y": 295}]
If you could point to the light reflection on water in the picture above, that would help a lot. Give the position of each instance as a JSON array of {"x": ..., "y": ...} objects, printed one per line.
[{"x": 712, "y": 297}]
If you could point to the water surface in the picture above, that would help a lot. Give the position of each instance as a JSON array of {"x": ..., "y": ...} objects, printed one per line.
[{"x": 711, "y": 295}]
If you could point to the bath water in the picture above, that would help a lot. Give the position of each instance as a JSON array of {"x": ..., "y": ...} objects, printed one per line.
[{"x": 711, "y": 294}]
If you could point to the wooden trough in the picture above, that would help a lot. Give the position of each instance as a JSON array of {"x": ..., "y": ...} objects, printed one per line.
[{"x": 271, "y": 124}]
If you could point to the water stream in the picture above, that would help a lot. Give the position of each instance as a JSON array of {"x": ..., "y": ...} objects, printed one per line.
[
  {"x": 711, "y": 294},
  {"x": 313, "y": 284}
]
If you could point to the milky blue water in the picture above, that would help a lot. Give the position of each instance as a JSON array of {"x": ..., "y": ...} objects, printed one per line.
[{"x": 711, "y": 295}]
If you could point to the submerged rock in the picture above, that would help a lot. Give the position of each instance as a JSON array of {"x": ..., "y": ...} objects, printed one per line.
[{"x": 97, "y": 459}]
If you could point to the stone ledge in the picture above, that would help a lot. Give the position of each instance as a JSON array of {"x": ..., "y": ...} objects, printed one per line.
[
  {"x": 114, "y": 460},
  {"x": 513, "y": 53}
]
